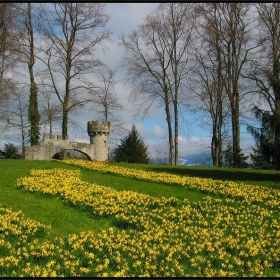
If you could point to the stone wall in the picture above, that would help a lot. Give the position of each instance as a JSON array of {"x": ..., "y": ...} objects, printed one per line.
[
  {"x": 100, "y": 147},
  {"x": 53, "y": 144}
]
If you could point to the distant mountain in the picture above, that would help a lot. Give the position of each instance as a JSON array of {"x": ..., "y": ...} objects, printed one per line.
[{"x": 200, "y": 159}]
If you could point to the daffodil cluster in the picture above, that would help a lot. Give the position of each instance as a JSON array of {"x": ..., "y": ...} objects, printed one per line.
[
  {"x": 156, "y": 237},
  {"x": 100, "y": 200},
  {"x": 16, "y": 233},
  {"x": 249, "y": 193}
]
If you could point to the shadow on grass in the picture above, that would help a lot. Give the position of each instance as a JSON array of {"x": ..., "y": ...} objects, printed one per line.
[{"x": 247, "y": 176}]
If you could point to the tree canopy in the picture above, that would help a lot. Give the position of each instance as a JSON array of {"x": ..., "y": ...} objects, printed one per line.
[
  {"x": 10, "y": 151},
  {"x": 132, "y": 149}
]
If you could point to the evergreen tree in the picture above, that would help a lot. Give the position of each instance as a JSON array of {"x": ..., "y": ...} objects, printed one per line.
[
  {"x": 231, "y": 160},
  {"x": 266, "y": 155},
  {"x": 228, "y": 156},
  {"x": 132, "y": 149},
  {"x": 33, "y": 115},
  {"x": 10, "y": 151},
  {"x": 261, "y": 160}
]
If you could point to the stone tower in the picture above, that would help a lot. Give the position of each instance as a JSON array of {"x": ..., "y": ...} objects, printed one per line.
[{"x": 98, "y": 133}]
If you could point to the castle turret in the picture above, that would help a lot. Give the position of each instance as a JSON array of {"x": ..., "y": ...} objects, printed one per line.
[{"x": 98, "y": 133}]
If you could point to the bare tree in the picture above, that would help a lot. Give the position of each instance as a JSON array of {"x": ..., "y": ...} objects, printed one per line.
[
  {"x": 157, "y": 63},
  {"x": 48, "y": 107},
  {"x": 210, "y": 99},
  {"x": 207, "y": 79},
  {"x": 226, "y": 34},
  {"x": 70, "y": 33},
  {"x": 106, "y": 103},
  {"x": 8, "y": 39},
  {"x": 236, "y": 45},
  {"x": 27, "y": 57},
  {"x": 18, "y": 116},
  {"x": 159, "y": 152},
  {"x": 8, "y": 46}
]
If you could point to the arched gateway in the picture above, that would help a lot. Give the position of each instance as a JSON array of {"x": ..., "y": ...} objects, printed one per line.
[{"x": 97, "y": 150}]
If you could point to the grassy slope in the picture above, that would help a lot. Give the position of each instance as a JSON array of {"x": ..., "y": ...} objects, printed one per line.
[
  {"x": 266, "y": 178},
  {"x": 65, "y": 220},
  {"x": 48, "y": 210}
]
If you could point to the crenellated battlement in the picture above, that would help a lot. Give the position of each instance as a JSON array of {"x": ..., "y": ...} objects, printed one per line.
[
  {"x": 95, "y": 127},
  {"x": 47, "y": 136}
]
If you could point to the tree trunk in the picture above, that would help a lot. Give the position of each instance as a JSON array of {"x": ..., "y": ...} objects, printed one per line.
[
  {"x": 235, "y": 124},
  {"x": 64, "y": 154},
  {"x": 220, "y": 141},
  {"x": 65, "y": 123},
  {"x": 214, "y": 146},
  {"x": 170, "y": 136},
  {"x": 176, "y": 129}
]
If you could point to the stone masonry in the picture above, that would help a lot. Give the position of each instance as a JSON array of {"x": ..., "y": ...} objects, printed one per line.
[
  {"x": 97, "y": 150},
  {"x": 98, "y": 133}
]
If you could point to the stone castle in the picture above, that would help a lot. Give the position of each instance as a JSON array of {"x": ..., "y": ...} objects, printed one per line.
[{"x": 97, "y": 150}]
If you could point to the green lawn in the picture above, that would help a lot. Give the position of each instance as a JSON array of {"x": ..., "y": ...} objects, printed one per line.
[
  {"x": 66, "y": 220},
  {"x": 200, "y": 231},
  {"x": 266, "y": 178},
  {"x": 62, "y": 218},
  {"x": 48, "y": 210}
]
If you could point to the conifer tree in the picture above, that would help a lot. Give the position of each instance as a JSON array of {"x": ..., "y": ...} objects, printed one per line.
[
  {"x": 266, "y": 155},
  {"x": 10, "y": 151},
  {"x": 33, "y": 115},
  {"x": 132, "y": 149}
]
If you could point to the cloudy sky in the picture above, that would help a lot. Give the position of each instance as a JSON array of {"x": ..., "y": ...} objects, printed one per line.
[{"x": 124, "y": 18}]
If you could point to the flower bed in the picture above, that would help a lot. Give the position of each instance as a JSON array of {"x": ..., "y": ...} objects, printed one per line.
[
  {"x": 156, "y": 237},
  {"x": 250, "y": 193}
]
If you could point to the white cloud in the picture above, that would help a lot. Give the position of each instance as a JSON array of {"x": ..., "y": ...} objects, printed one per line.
[
  {"x": 82, "y": 140},
  {"x": 125, "y": 17},
  {"x": 193, "y": 145},
  {"x": 182, "y": 140},
  {"x": 159, "y": 131}
]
